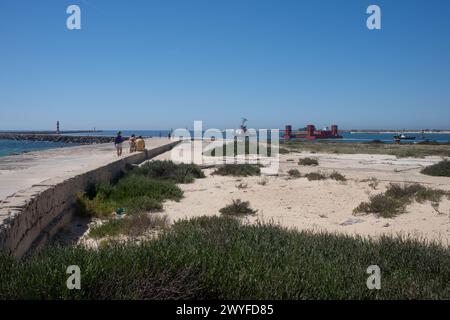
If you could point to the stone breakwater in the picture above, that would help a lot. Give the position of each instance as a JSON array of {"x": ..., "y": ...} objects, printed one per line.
[{"x": 56, "y": 138}]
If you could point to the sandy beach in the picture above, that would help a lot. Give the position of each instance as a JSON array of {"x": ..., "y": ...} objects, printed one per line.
[{"x": 323, "y": 205}]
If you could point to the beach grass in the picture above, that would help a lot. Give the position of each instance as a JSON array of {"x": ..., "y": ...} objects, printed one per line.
[
  {"x": 337, "y": 176},
  {"x": 294, "y": 173},
  {"x": 133, "y": 226},
  {"x": 313, "y": 176},
  {"x": 397, "y": 197},
  {"x": 221, "y": 258},
  {"x": 238, "y": 170},
  {"x": 248, "y": 147},
  {"x": 308, "y": 162},
  {"x": 140, "y": 189},
  {"x": 134, "y": 193},
  {"x": 237, "y": 208},
  {"x": 398, "y": 150},
  {"x": 168, "y": 170}
]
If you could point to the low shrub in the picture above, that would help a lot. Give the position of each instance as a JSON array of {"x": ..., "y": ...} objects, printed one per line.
[
  {"x": 238, "y": 170},
  {"x": 237, "y": 208},
  {"x": 308, "y": 162},
  {"x": 168, "y": 170},
  {"x": 440, "y": 169},
  {"x": 283, "y": 151},
  {"x": 133, "y": 226},
  {"x": 315, "y": 176},
  {"x": 397, "y": 197},
  {"x": 294, "y": 173},
  {"x": 337, "y": 176},
  {"x": 382, "y": 205}
]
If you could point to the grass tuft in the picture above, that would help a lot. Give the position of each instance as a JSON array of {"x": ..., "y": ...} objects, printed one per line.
[
  {"x": 133, "y": 226},
  {"x": 398, "y": 150},
  {"x": 294, "y": 173},
  {"x": 337, "y": 176},
  {"x": 238, "y": 170},
  {"x": 308, "y": 162},
  {"x": 312, "y": 176},
  {"x": 396, "y": 198},
  {"x": 168, "y": 170},
  {"x": 238, "y": 208}
]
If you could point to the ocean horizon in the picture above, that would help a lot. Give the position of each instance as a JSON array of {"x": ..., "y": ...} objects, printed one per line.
[{"x": 12, "y": 147}]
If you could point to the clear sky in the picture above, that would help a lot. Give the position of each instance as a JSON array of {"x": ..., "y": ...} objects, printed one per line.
[{"x": 147, "y": 64}]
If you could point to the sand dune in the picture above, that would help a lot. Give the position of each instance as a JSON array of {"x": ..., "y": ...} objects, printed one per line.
[{"x": 324, "y": 205}]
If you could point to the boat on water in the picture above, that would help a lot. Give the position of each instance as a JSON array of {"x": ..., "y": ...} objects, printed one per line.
[{"x": 404, "y": 137}]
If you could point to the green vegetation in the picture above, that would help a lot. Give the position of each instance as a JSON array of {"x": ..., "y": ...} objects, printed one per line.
[
  {"x": 237, "y": 208},
  {"x": 294, "y": 173},
  {"x": 399, "y": 150},
  {"x": 140, "y": 189},
  {"x": 249, "y": 147},
  {"x": 135, "y": 193},
  {"x": 396, "y": 198},
  {"x": 238, "y": 170},
  {"x": 133, "y": 226},
  {"x": 308, "y": 162},
  {"x": 440, "y": 169},
  {"x": 312, "y": 176},
  {"x": 221, "y": 258},
  {"x": 337, "y": 176},
  {"x": 168, "y": 170}
]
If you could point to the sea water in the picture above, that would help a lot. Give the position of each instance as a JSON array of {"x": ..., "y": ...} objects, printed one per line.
[{"x": 8, "y": 147}]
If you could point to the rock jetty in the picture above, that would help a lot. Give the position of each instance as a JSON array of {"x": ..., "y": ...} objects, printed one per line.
[{"x": 56, "y": 138}]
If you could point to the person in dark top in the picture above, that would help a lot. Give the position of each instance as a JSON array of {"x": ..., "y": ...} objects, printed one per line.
[{"x": 118, "y": 143}]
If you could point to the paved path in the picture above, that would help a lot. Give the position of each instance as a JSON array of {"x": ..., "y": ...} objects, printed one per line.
[{"x": 19, "y": 172}]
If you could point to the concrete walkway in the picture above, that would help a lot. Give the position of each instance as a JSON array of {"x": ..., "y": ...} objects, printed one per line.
[{"x": 19, "y": 172}]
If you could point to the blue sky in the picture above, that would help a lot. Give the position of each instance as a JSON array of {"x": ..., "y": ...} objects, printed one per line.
[{"x": 146, "y": 64}]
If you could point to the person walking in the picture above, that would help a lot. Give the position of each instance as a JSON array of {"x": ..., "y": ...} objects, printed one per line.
[
  {"x": 132, "y": 143},
  {"x": 118, "y": 141}
]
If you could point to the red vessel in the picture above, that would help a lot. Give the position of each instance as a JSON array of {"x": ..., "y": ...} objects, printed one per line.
[{"x": 311, "y": 133}]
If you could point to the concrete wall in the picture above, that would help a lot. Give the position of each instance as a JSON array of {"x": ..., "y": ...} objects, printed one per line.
[{"x": 29, "y": 218}]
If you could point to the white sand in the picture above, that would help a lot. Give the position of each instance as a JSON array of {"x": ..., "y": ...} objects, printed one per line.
[{"x": 323, "y": 205}]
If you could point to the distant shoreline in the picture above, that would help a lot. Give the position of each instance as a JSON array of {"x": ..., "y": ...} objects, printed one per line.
[{"x": 397, "y": 131}]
